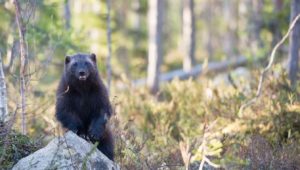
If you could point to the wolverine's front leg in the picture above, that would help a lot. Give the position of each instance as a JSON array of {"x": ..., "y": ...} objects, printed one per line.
[{"x": 97, "y": 127}]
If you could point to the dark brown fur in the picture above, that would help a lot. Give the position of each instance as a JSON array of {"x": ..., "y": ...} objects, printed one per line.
[{"x": 82, "y": 102}]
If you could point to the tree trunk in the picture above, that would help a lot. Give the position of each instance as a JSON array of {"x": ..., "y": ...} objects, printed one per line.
[
  {"x": 154, "y": 43},
  {"x": 231, "y": 19},
  {"x": 3, "y": 94},
  {"x": 136, "y": 25},
  {"x": 67, "y": 14},
  {"x": 294, "y": 44},
  {"x": 208, "y": 15},
  {"x": 188, "y": 34},
  {"x": 23, "y": 62}
]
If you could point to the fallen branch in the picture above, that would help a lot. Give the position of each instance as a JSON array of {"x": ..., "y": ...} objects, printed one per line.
[
  {"x": 267, "y": 68},
  {"x": 197, "y": 70}
]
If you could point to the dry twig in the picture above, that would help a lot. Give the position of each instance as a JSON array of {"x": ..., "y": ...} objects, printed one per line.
[
  {"x": 203, "y": 147},
  {"x": 268, "y": 67},
  {"x": 185, "y": 153}
]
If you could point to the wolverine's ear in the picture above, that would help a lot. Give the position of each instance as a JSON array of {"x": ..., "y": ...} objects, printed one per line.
[
  {"x": 67, "y": 59},
  {"x": 93, "y": 57}
]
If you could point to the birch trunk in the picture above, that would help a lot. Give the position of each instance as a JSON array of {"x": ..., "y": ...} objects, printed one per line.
[
  {"x": 23, "y": 62},
  {"x": 3, "y": 94},
  {"x": 154, "y": 43},
  {"x": 188, "y": 34}
]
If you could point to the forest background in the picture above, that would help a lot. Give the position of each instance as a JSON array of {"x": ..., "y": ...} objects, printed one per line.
[{"x": 178, "y": 72}]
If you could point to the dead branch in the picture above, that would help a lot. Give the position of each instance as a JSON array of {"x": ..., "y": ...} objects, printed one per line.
[
  {"x": 267, "y": 68},
  {"x": 203, "y": 147}
]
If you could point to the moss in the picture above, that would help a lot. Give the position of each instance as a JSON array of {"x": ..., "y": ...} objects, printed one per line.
[{"x": 14, "y": 146}]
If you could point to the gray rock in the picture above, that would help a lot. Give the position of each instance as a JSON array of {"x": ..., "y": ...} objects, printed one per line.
[{"x": 69, "y": 152}]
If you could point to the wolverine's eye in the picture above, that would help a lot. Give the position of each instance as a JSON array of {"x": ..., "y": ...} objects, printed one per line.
[
  {"x": 75, "y": 64},
  {"x": 86, "y": 63}
]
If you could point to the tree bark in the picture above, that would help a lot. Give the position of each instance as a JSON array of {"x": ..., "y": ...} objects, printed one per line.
[
  {"x": 294, "y": 44},
  {"x": 3, "y": 94},
  {"x": 154, "y": 43},
  {"x": 23, "y": 62},
  {"x": 188, "y": 34}
]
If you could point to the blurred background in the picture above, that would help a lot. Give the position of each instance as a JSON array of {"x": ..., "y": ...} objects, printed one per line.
[{"x": 180, "y": 71}]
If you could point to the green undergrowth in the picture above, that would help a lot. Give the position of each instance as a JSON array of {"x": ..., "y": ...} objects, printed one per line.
[
  {"x": 14, "y": 146},
  {"x": 198, "y": 118},
  {"x": 153, "y": 129}
]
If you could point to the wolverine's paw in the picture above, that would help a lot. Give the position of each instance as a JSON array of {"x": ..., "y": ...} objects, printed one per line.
[
  {"x": 95, "y": 133},
  {"x": 83, "y": 136},
  {"x": 73, "y": 129}
]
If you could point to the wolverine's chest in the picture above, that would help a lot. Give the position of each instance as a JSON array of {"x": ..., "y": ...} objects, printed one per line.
[{"x": 85, "y": 106}]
